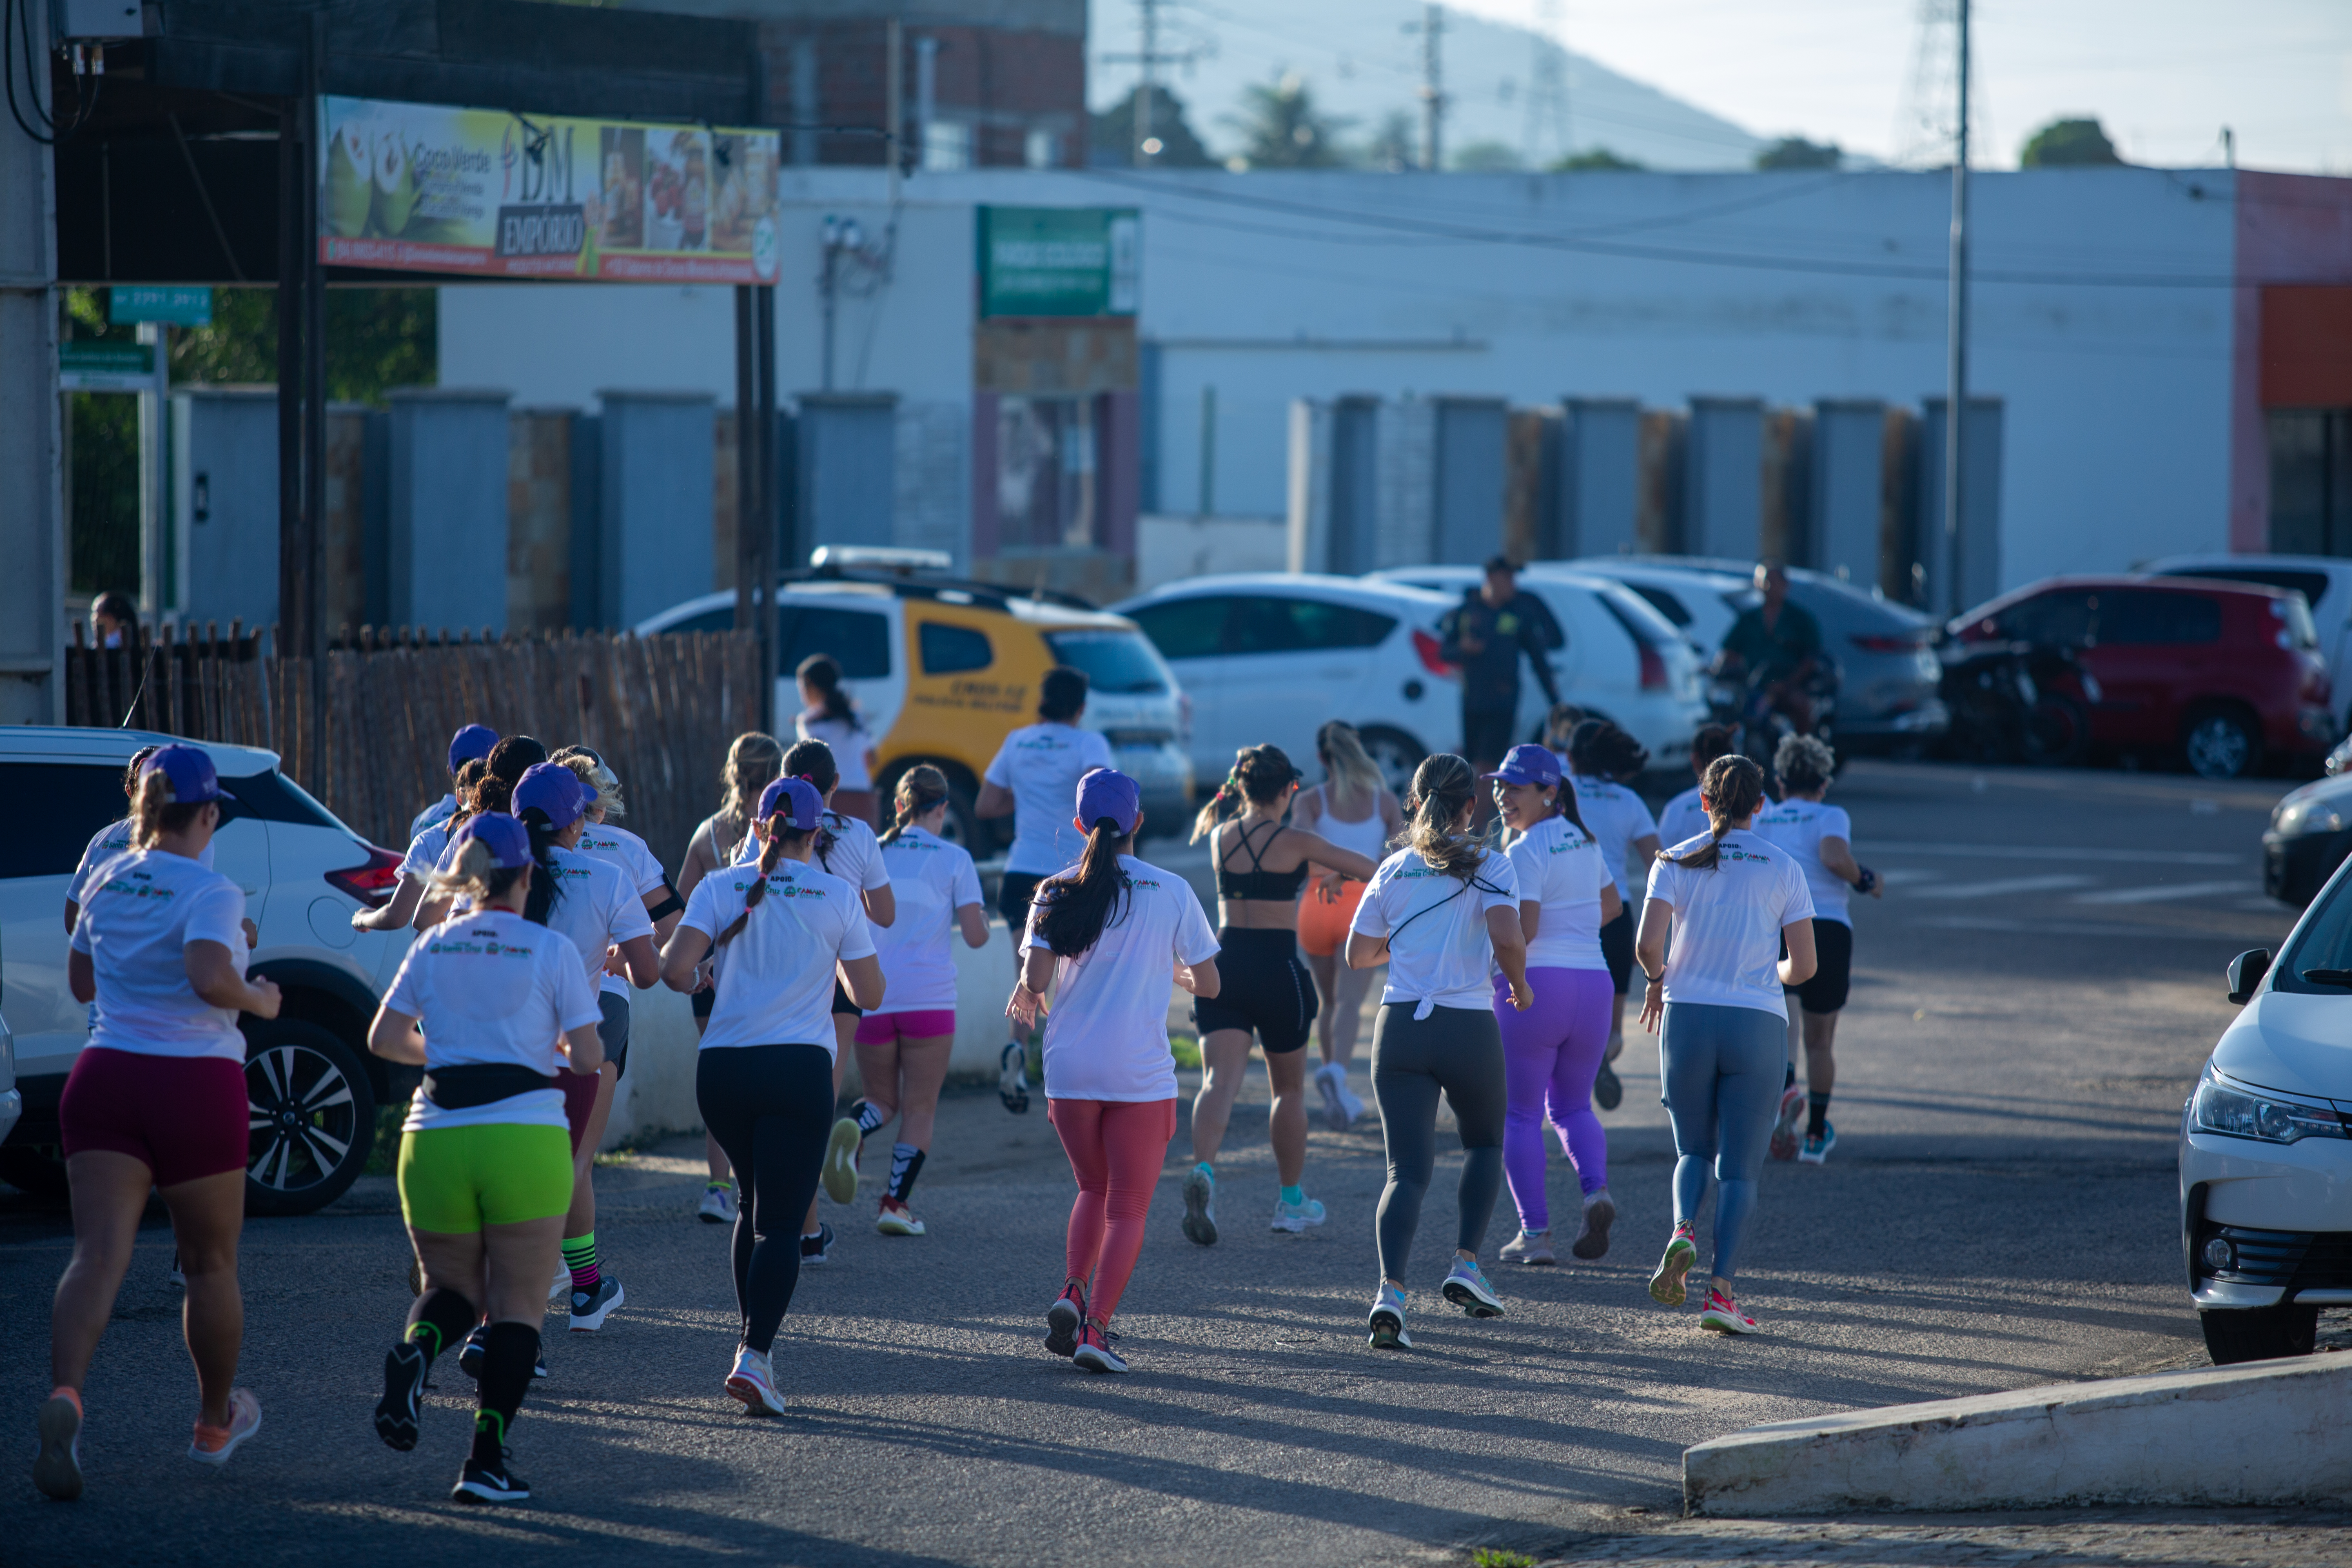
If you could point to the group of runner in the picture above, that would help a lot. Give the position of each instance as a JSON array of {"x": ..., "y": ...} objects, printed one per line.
[{"x": 801, "y": 934}]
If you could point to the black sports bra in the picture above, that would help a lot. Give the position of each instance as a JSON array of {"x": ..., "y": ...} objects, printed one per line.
[{"x": 1257, "y": 882}]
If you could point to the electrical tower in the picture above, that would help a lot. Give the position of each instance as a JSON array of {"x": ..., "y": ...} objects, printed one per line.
[{"x": 1547, "y": 89}]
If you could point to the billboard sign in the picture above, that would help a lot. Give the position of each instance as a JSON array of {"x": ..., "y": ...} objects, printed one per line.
[
  {"x": 486, "y": 192},
  {"x": 1057, "y": 261}
]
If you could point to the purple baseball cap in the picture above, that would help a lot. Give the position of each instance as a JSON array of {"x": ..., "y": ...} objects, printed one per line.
[
  {"x": 473, "y": 741},
  {"x": 555, "y": 790},
  {"x": 190, "y": 768},
  {"x": 508, "y": 840},
  {"x": 1106, "y": 792},
  {"x": 1528, "y": 765},
  {"x": 796, "y": 799}
]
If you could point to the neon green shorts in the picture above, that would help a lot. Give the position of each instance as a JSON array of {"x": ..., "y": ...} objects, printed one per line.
[{"x": 455, "y": 1179}]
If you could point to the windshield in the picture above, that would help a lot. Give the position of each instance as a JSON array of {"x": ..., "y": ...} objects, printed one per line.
[
  {"x": 2322, "y": 943},
  {"x": 1116, "y": 662}
]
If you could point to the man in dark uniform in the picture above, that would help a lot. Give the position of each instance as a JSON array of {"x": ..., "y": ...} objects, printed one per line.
[
  {"x": 1777, "y": 645},
  {"x": 1487, "y": 635}
]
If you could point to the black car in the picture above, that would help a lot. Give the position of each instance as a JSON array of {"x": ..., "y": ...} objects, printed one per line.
[{"x": 2310, "y": 833}]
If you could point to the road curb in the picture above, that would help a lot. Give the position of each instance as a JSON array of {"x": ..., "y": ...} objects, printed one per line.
[{"x": 2270, "y": 1431}]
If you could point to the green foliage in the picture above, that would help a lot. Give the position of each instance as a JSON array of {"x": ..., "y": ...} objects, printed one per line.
[
  {"x": 377, "y": 338},
  {"x": 1486, "y": 158},
  {"x": 1186, "y": 1050},
  {"x": 1395, "y": 146},
  {"x": 1496, "y": 1557},
  {"x": 1592, "y": 159},
  {"x": 1281, "y": 128},
  {"x": 104, "y": 485},
  {"x": 1110, "y": 135},
  {"x": 1796, "y": 152},
  {"x": 2069, "y": 143}
]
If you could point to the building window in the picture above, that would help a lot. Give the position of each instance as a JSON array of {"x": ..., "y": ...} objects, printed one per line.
[
  {"x": 2311, "y": 481},
  {"x": 1042, "y": 148},
  {"x": 947, "y": 144},
  {"x": 1045, "y": 473}
]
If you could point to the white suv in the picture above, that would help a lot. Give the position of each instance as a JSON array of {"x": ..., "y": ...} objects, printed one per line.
[{"x": 312, "y": 1084}]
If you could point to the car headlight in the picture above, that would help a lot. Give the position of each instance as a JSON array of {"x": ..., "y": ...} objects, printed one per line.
[
  {"x": 2236, "y": 1112},
  {"x": 2316, "y": 815}
]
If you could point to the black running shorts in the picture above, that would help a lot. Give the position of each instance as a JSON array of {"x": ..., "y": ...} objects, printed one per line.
[
  {"x": 1262, "y": 987},
  {"x": 1833, "y": 975}
]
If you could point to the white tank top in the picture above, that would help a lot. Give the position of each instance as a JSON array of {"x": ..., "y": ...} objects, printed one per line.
[{"x": 1367, "y": 838}]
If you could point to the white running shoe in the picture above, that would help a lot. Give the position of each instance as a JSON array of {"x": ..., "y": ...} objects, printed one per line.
[
  {"x": 896, "y": 1219},
  {"x": 214, "y": 1445},
  {"x": 1348, "y": 1098},
  {"x": 1201, "y": 1207},
  {"x": 1296, "y": 1217},
  {"x": 1532, "y": 1248},
  {"x": 840, "y": 1175},
  {"x": 753, "y": 1381},
  {"x": 57, "y": 1469},
  {"x": 1333, "y": 1079},
  {"x": 718, "y": 1206},
  {"x": 1385, "y": 1327}
]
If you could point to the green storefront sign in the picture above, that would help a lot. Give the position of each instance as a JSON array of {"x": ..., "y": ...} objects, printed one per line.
[
  {"x": 180, "y": 306},
  {"x": 1057, "y": 261}
]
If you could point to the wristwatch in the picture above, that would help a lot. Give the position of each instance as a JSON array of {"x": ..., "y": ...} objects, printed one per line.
[{"x": 1867, "y": 880}]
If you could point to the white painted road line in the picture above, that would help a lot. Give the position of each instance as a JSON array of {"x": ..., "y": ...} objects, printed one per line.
[
  {"x": 2004, "y": 886},
  {"x": 2058, "y": 852},
  {"x": 2163, "y": 893},
  {"x": 2062, "y": 929}
]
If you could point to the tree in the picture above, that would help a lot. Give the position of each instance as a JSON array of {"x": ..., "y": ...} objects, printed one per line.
[
  {"x": 1592, "y": 159},
  {"x": 1110, "y": 135},
  {"x": 2069, "y": 144},
  {"x": 1395, "y": 146},
  {"x": 1486, "y": 158},
  {"x": 377, "y": 338},
  {"x": 1796, "y": 152},
  {"x": 1282, "y": 129}
]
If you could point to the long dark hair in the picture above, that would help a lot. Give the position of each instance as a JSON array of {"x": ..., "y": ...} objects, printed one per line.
[
  {"x": 1259, "y": 775},
  {"x": 781, "y": 835},
  {"x": 1442, "y": 788},
  {"x": 1566, "y": 806},
  {"x": 823, "y": 672},
  {"x": 1599, "y": 749},
  {"x": 509, "y": 759},
  {"x": 813, "y": 761},
  {"x": 1073, "y": 908},
  {"x": 1733, "y": 787},
  {"x": 547, "y": 888}
]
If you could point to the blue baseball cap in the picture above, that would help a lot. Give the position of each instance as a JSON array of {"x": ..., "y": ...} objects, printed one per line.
[
  {"x": 507, "y": 841},
  {"x": 796, "y": 799},
  {"x": 473, "y": 741},
  {"x": 1106, "y": 792},
  {"x": 1528, "y": 765},
  {"x": 555, "y": 790},
  {"x": 190, "y": 768}
]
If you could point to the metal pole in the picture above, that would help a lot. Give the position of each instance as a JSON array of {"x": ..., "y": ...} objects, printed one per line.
[
  {"x": 291, "y": 555},
  {"x": 314, "y": 410},
  {"x": 1143, "y": 87},
  {"x": 1956, "y": 394},
  {"x": 1433, "y": 94},
  {"x": 764, "y": 325},
  {"x": 747, "y": 461},
  {"x": 894, "y": 105}
]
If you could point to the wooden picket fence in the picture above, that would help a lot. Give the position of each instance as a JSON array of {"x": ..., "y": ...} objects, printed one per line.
[{"x": 660, "y": 711}]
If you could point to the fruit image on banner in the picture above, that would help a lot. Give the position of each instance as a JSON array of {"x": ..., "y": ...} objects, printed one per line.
[{"x": 428, "y": 188}]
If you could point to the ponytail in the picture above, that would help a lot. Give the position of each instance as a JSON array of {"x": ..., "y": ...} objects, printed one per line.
[
  {"x": 476, "y": 877},
  {"x": 823, "y": 672},
  {"x": 153, "y": 813},
  {"x": 1259, "y": 775},
  {"x": 813, "y": 761},
  {"x": 547, "y": 888},
  {"x": 1733, "y": 787},
  {"x": 1073, "y": 908},
  {"x": 920, "y": 788},
  {"x": 755, "y": 757},
  {"x": 1442, "y": 788},
  {"x": 780, "y": 838},
  {"x": 1567, "y": 807}
]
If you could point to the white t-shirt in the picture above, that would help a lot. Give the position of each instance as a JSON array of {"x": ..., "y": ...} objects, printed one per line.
[
  {"x": 144, "y": 908},
  {"x": 1682, "y": 818},
  {"x": 775, "y": 984},
  {"x": 626, "y": 850},
  {"x": 931, "y": 880},
  {"x": 855, "y": 855},
  {"x": 1106, "y": 1033},
  {"x": 1439, "y": 952},
  {"x": 108, "y": 841},
  {"x": 1616, "y": 817},
  {"x": 598, "y": 910},
  {"x": 441, "y": 810},
  {"x": 1561, "y": 869},
  {"x": 848, "y": 740},
  {"x": 490, "y": 986},
  {"x": 425, "y": 850},
  {"x": 1799, "y": 826},
  {"x": 1726, "y": 944},
  {"x": 1042, "y": 764}
]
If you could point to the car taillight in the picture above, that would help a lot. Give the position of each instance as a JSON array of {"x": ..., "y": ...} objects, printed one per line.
[
  {"x": 371, "y": 883},
  {"x": 1653, "y": 668},
  {"x": 1898, "y": 642},
  {"x": 1432, "y": 656}
]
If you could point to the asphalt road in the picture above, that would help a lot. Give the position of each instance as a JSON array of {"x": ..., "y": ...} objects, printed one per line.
[{"x": 2032, "y": 1000}]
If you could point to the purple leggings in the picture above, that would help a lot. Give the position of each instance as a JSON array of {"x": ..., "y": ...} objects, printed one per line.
[{"x": 1551, "y": 1054}]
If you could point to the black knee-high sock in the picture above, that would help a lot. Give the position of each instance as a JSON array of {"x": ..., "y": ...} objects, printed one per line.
[
  {"x": 506, "y": 1375},
  {"x": 869, "y": 1116},
  {"x": 438, "y": 1319},
  {"x": 1816, "y": 1112},
  {"x": 906, "y": 1165}
]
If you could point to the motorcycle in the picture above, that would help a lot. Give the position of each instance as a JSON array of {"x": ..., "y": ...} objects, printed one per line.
[
  {"x": 2018, "y": 703},
  {"x": 1759, "y": 713}
]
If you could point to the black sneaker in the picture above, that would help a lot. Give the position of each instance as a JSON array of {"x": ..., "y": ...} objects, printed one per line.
[
  {"x": 817, "y": 1248},
  {"x": 403, "y": 1390},
  {"x": 1012, "y": 1077},
  {"x": 1607, "y": 1092},
  {"x": 470, "y": 1354},
  {"x": 485, "y": 1483}
]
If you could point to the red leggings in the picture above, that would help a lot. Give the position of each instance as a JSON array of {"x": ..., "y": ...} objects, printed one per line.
[{"x": 1116, "y": 1149}]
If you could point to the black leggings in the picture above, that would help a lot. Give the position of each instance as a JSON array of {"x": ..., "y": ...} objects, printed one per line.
[
  {"x": 771, "y": 1108},
  {"x": 1457, "y": 1051}
]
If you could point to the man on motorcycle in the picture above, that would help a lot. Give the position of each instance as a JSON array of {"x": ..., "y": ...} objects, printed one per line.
[{"x": 1777, "y": 646}]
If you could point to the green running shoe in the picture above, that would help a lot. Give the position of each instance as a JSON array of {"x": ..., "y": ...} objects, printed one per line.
[{"x": 1682, "y": 1251}]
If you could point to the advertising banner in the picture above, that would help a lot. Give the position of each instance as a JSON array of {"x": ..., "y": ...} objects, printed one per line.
[
  {"x": 1057, "y": 261},
  {"x": 427, "y": 188}
]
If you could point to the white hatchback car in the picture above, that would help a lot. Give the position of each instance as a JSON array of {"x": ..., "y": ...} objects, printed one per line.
[
  {"x": 2266, "y": 1145},
  {"x": 312, "y": 1086}
]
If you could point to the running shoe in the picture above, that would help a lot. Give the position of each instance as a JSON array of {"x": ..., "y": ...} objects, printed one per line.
[
  {"x": 57, "y": 1469},
  {"x": 1608, "y": 1088},
  {"x": 559, "y": 1290},
  {"x": 1064, "y": 1318},
  {"x": 1468, "y": 1288},
  {"x": 489, "y": 1483},
  {"x": 417, "y": 1276},
  {"x": 1532, "y": 1248},
  {"x": 896, "y": 1219},
  {"x": 1682, "y": 1251},
  {"x": 590, "y": 1307},
  {"x": 214, "y": 1445},
  {"x": 1094, "y": 1353},
  {"x": 1600, "y": 1214},
  {"x": 817, "y": 1248},
  {"x": 1012, "y": 1077},
  {"x": 404, "y": 1392},
  {"x": 1333, "y": 1079},
  {"x": 1385, "y": 1327},
  {"x": 1296, "y": 1217},
  {"x": 1722, "y": 1315},
  {"x": 1784, "y": 1128},
  {"x": 840, "y": 1177},
  {"x": 718, "y": 1206},
  {"x": 1818, "y": 1145},
  {"x": 1201, "y": 1207},
  {"x": 470, "y": 1354},
  {"x": 753, "y": 1381},
  {"x": 1348, "y": 1098}
]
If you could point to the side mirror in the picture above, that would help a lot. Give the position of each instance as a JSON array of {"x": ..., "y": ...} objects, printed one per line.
[{"x": 2246, "y": 972}]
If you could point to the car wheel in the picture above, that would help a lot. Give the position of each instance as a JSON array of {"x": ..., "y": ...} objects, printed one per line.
[
  {"x": 1395, "y": 753},
  {"x": 36, "y": 1173},
  {"x": 312, "y": 1117},
  {"x": 2221, "y": 744},
  {"x": 2266, "y": 1333}
]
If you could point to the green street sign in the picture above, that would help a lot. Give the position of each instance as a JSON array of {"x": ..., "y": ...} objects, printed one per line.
[
  {"x": 182, "y": 306},
  {"x": 1058, "y": 261},
  {"x": 107, "y": 359}
]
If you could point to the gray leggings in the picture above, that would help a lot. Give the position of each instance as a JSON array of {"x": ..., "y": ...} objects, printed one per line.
[
  {"x": 1723, "y": 1071},
  {"x": 1457, "y": 1051}
]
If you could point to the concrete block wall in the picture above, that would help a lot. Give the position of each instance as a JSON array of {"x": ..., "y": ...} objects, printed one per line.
[
  {"x": 446, "y": 539},
  {"x": 654, "y": 502}
]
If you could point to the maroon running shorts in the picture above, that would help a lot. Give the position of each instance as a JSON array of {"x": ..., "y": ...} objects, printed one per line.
[{"x": 185, "y": 1118}]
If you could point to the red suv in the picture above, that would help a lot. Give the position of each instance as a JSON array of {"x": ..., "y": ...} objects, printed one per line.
[{"x": 2228, "y": 673}]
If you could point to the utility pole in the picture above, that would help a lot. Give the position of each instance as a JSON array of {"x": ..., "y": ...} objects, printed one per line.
[
  {"x": 1150, "y": 58},
  {"x": 1433, "y": 90},
  {"x": 1955, "y": 395},
  {"x": 1547, "y": 87}
]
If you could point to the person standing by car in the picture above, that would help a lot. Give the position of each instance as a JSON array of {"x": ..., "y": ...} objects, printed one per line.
[
  {"x": 1776, "y": 646},
  {"x": 1035, "y": 773},
  {"x": 157, "y": 1100},
  {"x": 827, "y": 714},
  {"x": 1730, "y": 903},
  {"x": 1600, "y": 759},
  {"x": 1355, "y": 810},
  {"x": 1487, "y": 635},
  {"x": 470, "y": 741}
]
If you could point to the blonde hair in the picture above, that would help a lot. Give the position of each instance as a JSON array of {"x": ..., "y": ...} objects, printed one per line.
[
  {"x": 753, "y": 761},
  {"x": 475, "y": 876},
  {"x": 1442, "y": 788},
  {"x": 155, "y": 811},
  {"x": 920, "y": 788},
  {"x": 589, "y": 769},
  {"x": 1344, "y": 757}
]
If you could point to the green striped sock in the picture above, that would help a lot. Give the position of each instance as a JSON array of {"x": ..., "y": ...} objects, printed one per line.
[{"x": 580, "y": 1256}]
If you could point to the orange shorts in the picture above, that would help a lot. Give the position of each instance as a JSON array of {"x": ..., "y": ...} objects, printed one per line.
[{"x": 1323, "y": 919}]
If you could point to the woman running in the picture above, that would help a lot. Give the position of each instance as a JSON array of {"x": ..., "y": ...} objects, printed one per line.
[
  {"x": 1033, "y": 773},
  {"x": 902, "y": 1053},
  {"x": 1107, "y": 934},
  {"x": 1731, "y": 903},
  {"x": 471, "y": 743},
  {"x": 490, "y": 1005},
  {"x": 754, "y": 758},
  {"x": 1820, "y": 838},
  {"x": 1355, "y": 810},
  {"x": 764, "y": 1075},
  {"x": 1600, "y": 758},
  {"x": 827, "y": 714},
  {"x": 1442, "y": 912},
  {"x": 157, "y": 1100},
  {"x": 624, "y": 848},
  {"x": 114, "y": 839},
  {"x": 1552, "y": 1050},
  {"x": 424, "y": 857},
  {"x": 1262, "y": 866}
]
